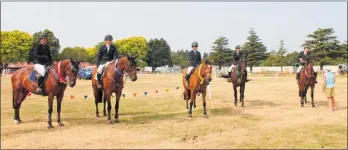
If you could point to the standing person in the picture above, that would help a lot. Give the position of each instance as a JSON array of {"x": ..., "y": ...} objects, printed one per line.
[
  {"x": 329, "y": 87},
  {"x": 106, "y": 54}
]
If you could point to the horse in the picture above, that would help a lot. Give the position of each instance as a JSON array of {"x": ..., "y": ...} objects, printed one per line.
[
  {"x": 58, "y": 76},
  {"x": 307, "y": 79},
  {"x": 112, "y": 79},
  {"x": 198, "y": 82},
  {"x": 238, "y": 79}
]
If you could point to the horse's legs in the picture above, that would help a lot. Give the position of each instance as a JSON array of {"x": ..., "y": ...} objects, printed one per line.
[
  {"x": 23, "y": 95},
  {"x": 104, "y": 101},
  {"x": 108, "y": 97},
  {"x": 193, "y": 97},
  {"x": 241, "y": 90},
  {"x": 305, "y": 96},
  {"x": 312, "y": 95},
  {"x": 235, "y": 95},
  {"x": 96, "y": 98},
  {"x": 187, "y": 108},
  {"x": 50, "y": 109},
  {"x": 118, "y": 96},
  {"x": 204, "y": 93},
  {"x": 59, "y": 108},
  {"x": 15, "y": 97}
]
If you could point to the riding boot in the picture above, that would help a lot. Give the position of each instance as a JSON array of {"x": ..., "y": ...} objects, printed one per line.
[
  {"x": 100, "y": 82},
  {"x": 187, "y": 77},
  {"x": 298, "y": 78},
  {"x": 315, "y": 76},
  {"x": 39, "y": 84},
  {"x": 229, "y": 74},
  {"x": 246, "y": 77}
]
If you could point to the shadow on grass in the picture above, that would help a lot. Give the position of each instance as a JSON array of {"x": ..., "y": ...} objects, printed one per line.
[{"x": 261, "y": 103}]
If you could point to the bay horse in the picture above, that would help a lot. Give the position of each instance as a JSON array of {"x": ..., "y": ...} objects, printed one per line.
[
  {"x": 238, "y": 79},
  {"x": 59, "y": 75},
  {"x": 198, "y": 82},
  {"x": 112, "y": 79},
  {"x": 307, "y": 79}
]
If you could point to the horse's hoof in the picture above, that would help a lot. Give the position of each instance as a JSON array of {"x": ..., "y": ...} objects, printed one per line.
[
  {"x": 17, "y": 122},
  {"x": 50, "y": 127},
  {"x": 190, "y": 115},
  {"x": 60, "y": 124},
  {"x": 206, "y": 116},
  {"x": 187, "y": 110},
  {"x": 235, "y": 104},
  {"x": 313, "y": 106},
  {"x": 117, "y": 121},
  {"x": 302, "y": 105},
  {"x": 109, "y": 122},
  {"x": 97, "y": 116}
]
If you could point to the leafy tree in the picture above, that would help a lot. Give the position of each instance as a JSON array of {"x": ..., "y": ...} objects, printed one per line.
[
  {"x": 255, "y": 48},
  {"x": 15, "y": 46},
  {"x": 53, "y": 42},
  {"x": 180, "y": 58},
  {"x": 280, "y": 60},
  {"x": 291, "y": 58},
  {"x": 323, "y": 43},
  {"x": 132, "y": 46},
  {"x": 159, "y": 53},
  {"x": 205, "y": 56},
  {"x": 221, "y": 53},
  {"x": 76, "y": 53}
]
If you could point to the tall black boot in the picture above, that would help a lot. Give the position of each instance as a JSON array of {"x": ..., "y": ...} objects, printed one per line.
[
  {"x": 229, "y": 74},
  {"x": 187, "y": 78},
  {"x": 100, "y": 82},
  {"x": 298, "y": 78},
  {"x": 246, "y": 77},
  {"x": 315, "y": 77}
]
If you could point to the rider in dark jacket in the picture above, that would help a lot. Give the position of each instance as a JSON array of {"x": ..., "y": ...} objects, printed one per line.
[
  {"x": 195, "y": 59},
  {"x": 236, "y": 56},
  {"x": 106, "y": 54},
  {"x": 305, "y": 56}
]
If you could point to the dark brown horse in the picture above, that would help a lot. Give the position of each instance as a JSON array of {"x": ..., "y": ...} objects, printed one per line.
[
  {"x": 238, "y": 79},
  {"x": 199, "y": 80},
  {"x": 113, "y": 82},
  {"x": 59, "y": 75},
  {"x": 307, "y": 79}
]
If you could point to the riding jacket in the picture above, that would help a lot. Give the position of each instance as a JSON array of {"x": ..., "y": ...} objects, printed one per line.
[
  {"x": 236, "y": 56},
  {"x": 306, "y": 57},
  {"x": 194, "y": 58},
  {"x": 104, "y": 55},
  {"x": 42, "y": 54}
]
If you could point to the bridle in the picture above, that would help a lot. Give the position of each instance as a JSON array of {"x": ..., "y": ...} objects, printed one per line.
[{"x": 58, "y": 75}]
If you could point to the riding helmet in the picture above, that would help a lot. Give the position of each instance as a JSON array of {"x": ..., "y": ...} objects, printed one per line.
[
  {"x": 43, "y": 35},
  {"x": 108, "y": 37},
  {"x": 194, "y": 44},
  {"x": 237, "y": 47}
]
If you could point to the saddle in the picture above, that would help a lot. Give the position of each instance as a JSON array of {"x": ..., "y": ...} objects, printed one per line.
[
  {"x": 117, "y": 72},
  {"x": 34, "y": 78}
]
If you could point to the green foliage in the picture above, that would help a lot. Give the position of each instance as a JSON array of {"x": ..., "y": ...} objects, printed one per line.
[
  {"x": 132, "y": 46},
  {"x": 53, "y": 42},
  {"x": 15, "y": 46},
  {"x": 180, "y": 58},
  {"x": 255, "y": 48},
  {"x": 221, "y": 53},
  {"x": 159, "y": 53},
  {"x": 76, "y": 53}
]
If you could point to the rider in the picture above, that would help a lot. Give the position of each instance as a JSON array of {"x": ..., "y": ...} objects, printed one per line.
[
  {"x": 106, "y": 54},
  {"x": 236, "y": 56},
  {"x": 42, "y": 58},
  {"x": 304, "y": 56},
  {"x": 194, "y": 58}
]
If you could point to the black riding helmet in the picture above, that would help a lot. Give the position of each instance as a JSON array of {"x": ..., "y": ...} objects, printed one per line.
[
  {"x": 108, "y": 37},
  {"x": 237, "y": 47},
  {"x": 194, "y": 44},
  {"x": 43, "y": 36}
]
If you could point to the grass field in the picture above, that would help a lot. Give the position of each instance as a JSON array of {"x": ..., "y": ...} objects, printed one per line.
[{"x": 272, "y": 117}]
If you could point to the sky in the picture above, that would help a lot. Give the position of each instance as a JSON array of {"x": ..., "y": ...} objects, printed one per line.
[{"x": 85, "y": 24}]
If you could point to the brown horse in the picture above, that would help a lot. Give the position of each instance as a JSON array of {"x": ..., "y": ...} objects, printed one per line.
[
  {"x": 59, "y": 75},
  {"x": 307, "y": 79},
  {"x": 238, "y": 79},
  {"x": 113, "y": 82},
  {"x": 198, "y": 82}
]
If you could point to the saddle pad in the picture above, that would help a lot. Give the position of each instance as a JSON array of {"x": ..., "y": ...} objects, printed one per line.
[{"x": 32, "y": 76}]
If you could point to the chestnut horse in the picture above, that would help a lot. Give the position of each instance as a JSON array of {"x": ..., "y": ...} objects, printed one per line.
[
  {"x": 199, "y": 80},
  {"x": 113, "y": 82},
  {"x": 238, "y": 79},
  {"x": 58, "y": 76},
  {"x": 307, "y": 79}
]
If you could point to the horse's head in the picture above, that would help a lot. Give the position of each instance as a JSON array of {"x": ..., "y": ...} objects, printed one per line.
[
  {"x": 243, "y": 65},
  {"x": 129, "y": 65},
  {"x": 309, "y": 69},
  {"x": 206, "y": 70},
  {"x": 70, "y": 69}
]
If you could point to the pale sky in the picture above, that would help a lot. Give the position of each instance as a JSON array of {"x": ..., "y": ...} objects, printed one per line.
[{"x": 86, "y": 23}]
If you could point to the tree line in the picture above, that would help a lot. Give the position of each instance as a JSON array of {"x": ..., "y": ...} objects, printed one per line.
[{"x": 327, "y": 50}]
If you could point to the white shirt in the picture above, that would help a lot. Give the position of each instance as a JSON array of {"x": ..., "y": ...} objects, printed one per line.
[{"x": 108, "y": 47}]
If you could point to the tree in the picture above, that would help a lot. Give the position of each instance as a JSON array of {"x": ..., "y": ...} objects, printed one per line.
[
  {"x": 205, "y": 56},
  {"x": 221, "y": 54},
  {"x": 180, "y": 58},
  {"x": 159, "y": 53},
  {"x": 15, "y": 46},
  {"x": 76, "y": 53},
  {"x": 323, "y": 43},
  {"x": 280, "y": 55},
  {"x": 133, "y": 46},
  {"x": 255, "y": 48},
  {"x": 291, "y": 58},
  {"x": 53, "y": 42}
]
